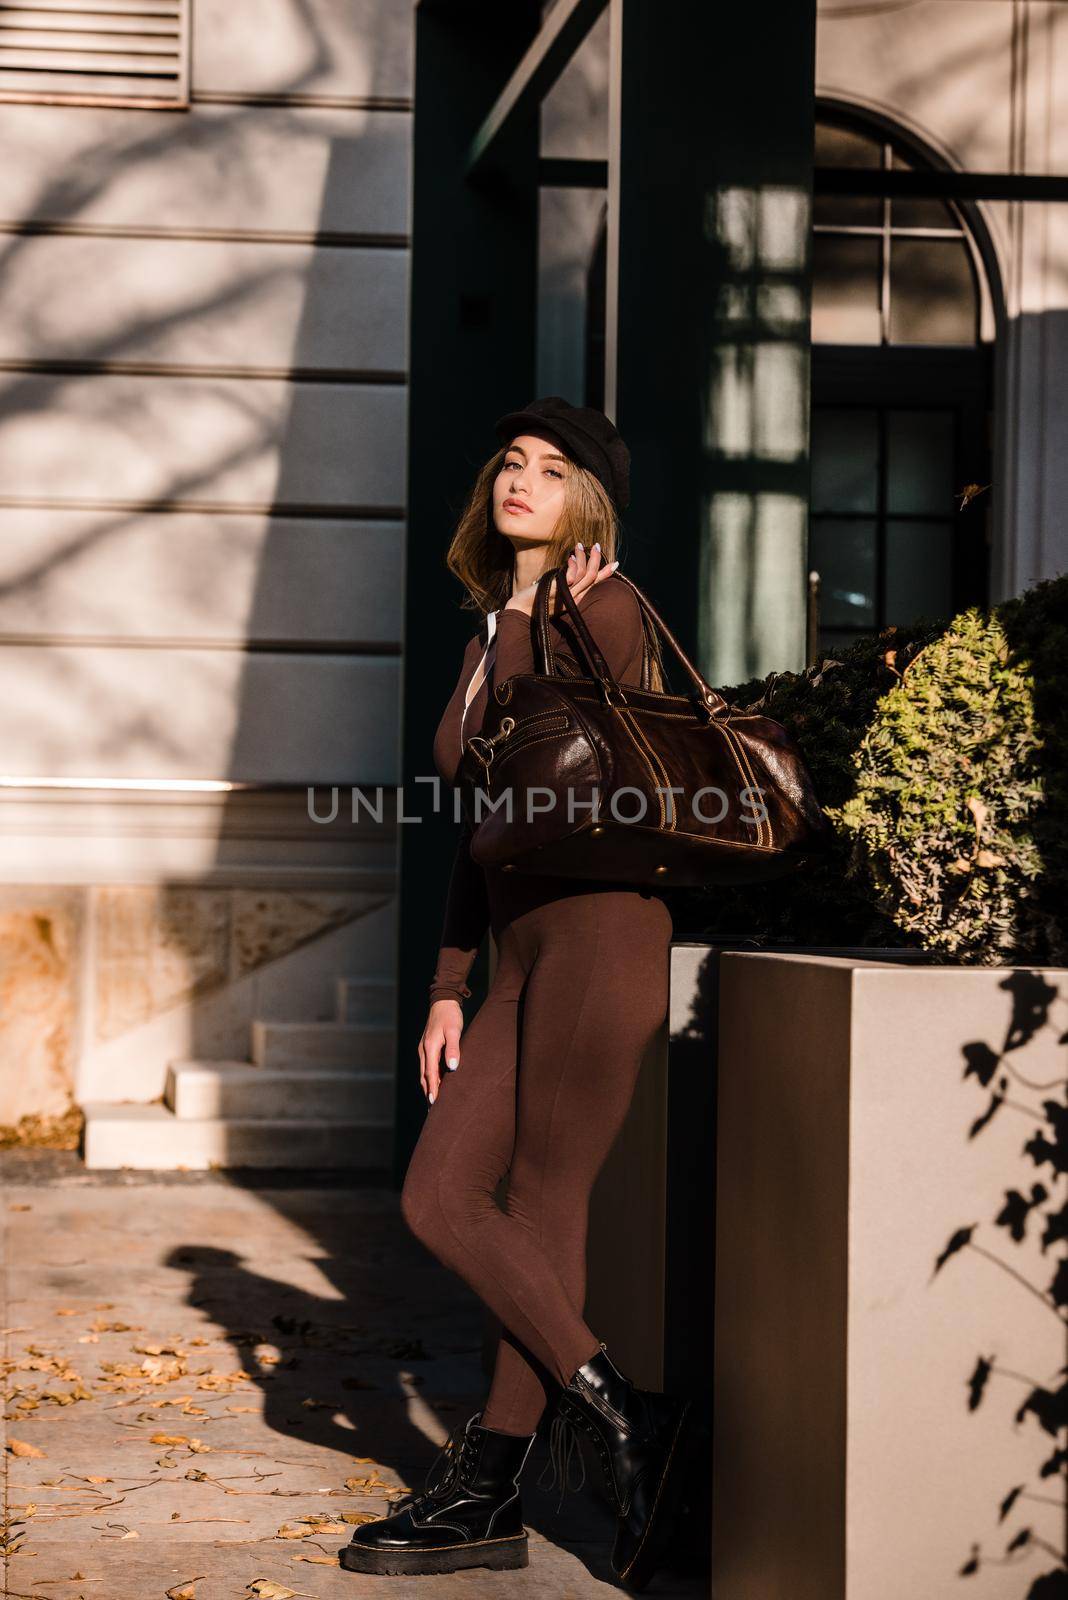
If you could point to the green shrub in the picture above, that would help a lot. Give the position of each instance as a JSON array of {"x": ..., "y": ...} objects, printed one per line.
[{"x": 940, "y": 751}]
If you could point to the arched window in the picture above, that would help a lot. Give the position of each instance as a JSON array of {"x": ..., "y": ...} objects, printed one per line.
[
  {"x": 901, "y": 387},
  {"x": 887, "y": 271},
  {"x": 901, "y": 383}
]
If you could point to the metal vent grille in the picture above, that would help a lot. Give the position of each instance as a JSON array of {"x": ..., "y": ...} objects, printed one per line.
[{"x": 123, "y": 53}]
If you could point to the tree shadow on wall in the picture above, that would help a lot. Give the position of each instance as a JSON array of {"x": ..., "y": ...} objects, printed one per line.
[{"x": 1045, "y": 1207}]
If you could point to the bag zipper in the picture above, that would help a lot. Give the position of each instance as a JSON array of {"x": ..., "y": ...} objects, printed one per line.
[{"x": 531, "y": 728}]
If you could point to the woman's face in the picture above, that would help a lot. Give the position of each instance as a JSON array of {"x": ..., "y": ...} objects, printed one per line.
[{"x": 528, "y": 491}]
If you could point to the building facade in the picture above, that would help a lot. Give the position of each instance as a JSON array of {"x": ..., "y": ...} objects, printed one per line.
[
  {"x": 204, "y": 537},
  {"x": 203, "y": 543}
]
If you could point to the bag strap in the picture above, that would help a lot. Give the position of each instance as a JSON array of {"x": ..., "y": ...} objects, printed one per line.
[
  {"x": 705, "y": 699},
  {"x": 701, "y": 689},
  {"x": 548, "y": 652},
  {"x": 588, "y": 647},
  {"x": 648, "y": 635}
]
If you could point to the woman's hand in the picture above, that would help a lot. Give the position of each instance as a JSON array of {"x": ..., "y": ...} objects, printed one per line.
[
  {"x": 582, "y": 573},
  {"x": 444, "y": 1025}
]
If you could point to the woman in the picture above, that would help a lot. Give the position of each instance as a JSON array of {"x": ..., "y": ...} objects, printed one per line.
[{"x": 541, "y": 1083}]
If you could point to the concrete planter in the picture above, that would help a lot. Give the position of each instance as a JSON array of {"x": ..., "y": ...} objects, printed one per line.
[
  {"x": 870, "y": 1256},
  {"x": 764, "y": 1236}
]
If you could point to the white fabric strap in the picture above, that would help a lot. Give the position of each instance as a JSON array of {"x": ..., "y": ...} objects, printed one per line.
[{"x": 478, "y": 677}]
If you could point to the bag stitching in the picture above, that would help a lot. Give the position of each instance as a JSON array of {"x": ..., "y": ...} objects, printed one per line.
[
  {"x": 743, "y": 755},
  {"x": 665, "y": 827},
  {"x": 526, "y": 745}
]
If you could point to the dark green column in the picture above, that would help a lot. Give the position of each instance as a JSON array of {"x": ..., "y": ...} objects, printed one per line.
[
  {"x": 711, "y": 178},
  {"x": 472, "y": 350},
  {"x": 712, "y": 153}
]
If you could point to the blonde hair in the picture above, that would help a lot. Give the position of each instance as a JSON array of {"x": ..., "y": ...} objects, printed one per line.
[{"x": 484, "y": 560}]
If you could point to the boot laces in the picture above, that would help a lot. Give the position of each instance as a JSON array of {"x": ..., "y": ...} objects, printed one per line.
[
  {"x": 458, "y": 1452},
  {"x": 563, "y": 1445}
]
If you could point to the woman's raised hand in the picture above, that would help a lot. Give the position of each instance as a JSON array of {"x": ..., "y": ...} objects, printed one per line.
[
  {"x": 444, "y": 1025},
  {"x": 582, "y": 573}
]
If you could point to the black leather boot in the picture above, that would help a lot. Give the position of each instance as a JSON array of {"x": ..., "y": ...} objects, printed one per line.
[
  {"x": 468, "y": 1515},
  {"x": 640, "y": 1436}
]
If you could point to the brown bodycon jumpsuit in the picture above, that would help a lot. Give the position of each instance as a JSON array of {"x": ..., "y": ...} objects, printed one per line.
[{"x": 549, "y": 1061}]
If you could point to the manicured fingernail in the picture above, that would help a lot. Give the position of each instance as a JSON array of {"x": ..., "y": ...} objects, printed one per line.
[
  {"x": 430, "y": 1097},
  {"x": 580, "y": 545},
  {"x": 453, "y": 1063},
  {"x": 612, "y": 565},
  {"x": 597, "y": 546}
]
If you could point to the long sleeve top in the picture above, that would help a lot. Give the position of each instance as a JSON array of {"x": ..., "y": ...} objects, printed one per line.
[{"x": 613, "y": 615}]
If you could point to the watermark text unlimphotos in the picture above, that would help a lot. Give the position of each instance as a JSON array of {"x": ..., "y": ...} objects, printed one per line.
[{"x": 627, "y": 804}]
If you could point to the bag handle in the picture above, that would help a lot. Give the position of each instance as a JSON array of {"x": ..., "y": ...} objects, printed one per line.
[
  {"x": 548, "y": 653},
  {"x": 648, "y": 635},
  {"x": 705, "y": 699}
]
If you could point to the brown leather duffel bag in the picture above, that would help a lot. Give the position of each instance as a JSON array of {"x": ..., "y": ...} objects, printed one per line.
[{"x": 581, "y": 777}]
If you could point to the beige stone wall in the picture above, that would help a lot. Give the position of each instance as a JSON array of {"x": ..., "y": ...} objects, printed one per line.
[
  {"x": 102, "y": 983},
  {"x": 202, "y": 446},
  {"x": 40, "y": 944}
]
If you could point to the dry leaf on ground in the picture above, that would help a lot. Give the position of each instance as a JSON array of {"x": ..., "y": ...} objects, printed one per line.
[
  {"x": 266, "y": 1589},
  {"x": 19, "y": 1447},
  {"x": 372, "y": 1484},
  {"x": 322, "y": 1523},
  {"x": 184, "y": 1591}
]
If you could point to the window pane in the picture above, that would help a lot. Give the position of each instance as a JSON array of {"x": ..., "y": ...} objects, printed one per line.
[
  {"x": 932, "y": 292},
  {"x": 919, "y": 213},
  {"x": 845, "y": 459},
  {"x": 845, "y": 290},
  {"x": 919, "y": 570},
  {"x": 841, "y": 147},
  {"x": 919, "y": 461},
  {"x": 845, "y": 147},
  {"x": 855, "y": 210},
  {"x": 843, "y": 553}
]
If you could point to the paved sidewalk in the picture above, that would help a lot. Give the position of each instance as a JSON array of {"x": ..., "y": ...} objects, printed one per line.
[{"x": 207, "y": 1385}]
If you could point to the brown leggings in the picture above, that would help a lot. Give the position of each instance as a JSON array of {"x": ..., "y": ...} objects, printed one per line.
[{"x": 548, "y": 1065}]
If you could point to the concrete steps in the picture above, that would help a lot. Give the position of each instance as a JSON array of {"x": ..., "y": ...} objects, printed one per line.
[
  {"x": 153, "y": 1138},
  {"x": 303, "y": 1046},
  {"x": 199, "y": 1089},
  {"x": 314, "y": 1094},
  {"x": 363, "y": 999}
]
